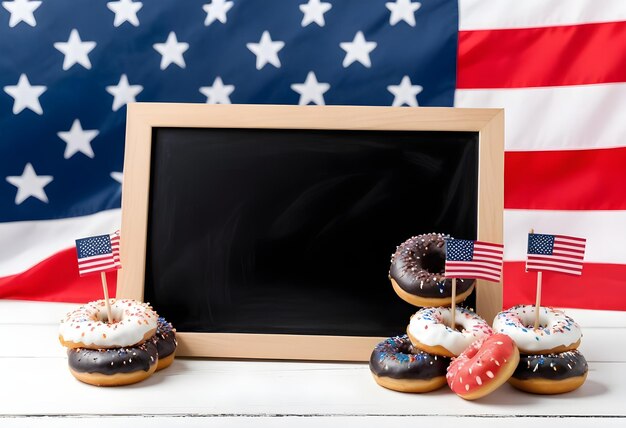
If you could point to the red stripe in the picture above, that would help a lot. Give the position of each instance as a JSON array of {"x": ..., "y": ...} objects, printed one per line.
[
  {"x": 549, "y": 56},
  {"x": 56, "y": 280},
  {"x": 585, "y": 291},
  {"x": 566, "y": 180},
  {"x": 581, "y": 241}
]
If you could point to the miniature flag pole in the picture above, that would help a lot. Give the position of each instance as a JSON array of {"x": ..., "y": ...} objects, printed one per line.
[
  {"x": 99, "y": 254},
  {"x": 105, "y": 289},
  {"x": 537, "y": 294},
  {"x": 471, "y": 259},
  {"x": 538, "y": 300},
  {"x": 453, "y": 306},
  {"x": 555, "y": 253}
]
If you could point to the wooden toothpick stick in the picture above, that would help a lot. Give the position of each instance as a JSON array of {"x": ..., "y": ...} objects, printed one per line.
[
  {"x": 538, "y": 300},
  {"x": 105, "y": 288},
  {"x": 453, "y": 306},
  {"x": 537, "y": 295}
]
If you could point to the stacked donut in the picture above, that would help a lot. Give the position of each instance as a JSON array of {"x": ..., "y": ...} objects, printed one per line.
[
  {"x": 420, "y": 360},
  {"x": 126, "y": 350},
  {"x": 550, "y": 362}
]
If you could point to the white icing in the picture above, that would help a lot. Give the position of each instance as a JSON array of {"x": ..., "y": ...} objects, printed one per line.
[
  {"x": 430, "y": 327},
  {"x": 555, "y": 328},
  {"x": 86, "y": 325}
]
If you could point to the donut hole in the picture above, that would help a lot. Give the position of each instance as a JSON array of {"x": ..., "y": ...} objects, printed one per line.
[
  {"x": 459, "y": 328},
  {"x": 531, "y": 326},
  {"x": 433, "y": 262},
  {"x": 102, "y": 317}
]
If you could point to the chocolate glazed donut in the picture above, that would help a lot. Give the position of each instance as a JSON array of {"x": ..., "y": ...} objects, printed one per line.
[
  {"x": 396, "y": 365},
  {"x": 116, "y": 366},
  {"x": 417, "y": 269},
  {"x": 550, "y": 373},
  {"x": 165, "y": 341}
]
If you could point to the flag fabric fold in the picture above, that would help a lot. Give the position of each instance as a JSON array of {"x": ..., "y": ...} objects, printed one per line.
[{"x": 69, "y": 68}]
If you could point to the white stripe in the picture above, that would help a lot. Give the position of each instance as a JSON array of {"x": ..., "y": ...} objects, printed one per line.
[
  {"x": 572, "y": 248},
  {"x": 491, "y": 14},
  {"x": 571, "y": 241},
  {"x": 26, "y": 243},
  {"x": 603, "y": 229},
  {"x": 82, "y": 264},
  {"x": 98, "y": 269},
  {"x": 543, "y": 261},
  {"x": 563, "y": 259},
  {"x": 578, "y": 254},
  {"x": 543, "y": 268},
  {"x": 556, "y": 118},
  {"x": 462, "y": 264}
]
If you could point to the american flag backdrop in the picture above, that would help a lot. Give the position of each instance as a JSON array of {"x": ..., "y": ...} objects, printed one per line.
[{"x": 69, "y": 67}]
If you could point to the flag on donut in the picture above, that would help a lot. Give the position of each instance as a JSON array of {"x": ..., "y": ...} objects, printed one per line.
[
  {"x": 98, "y": 253},
  {"x": 556, "y": 253},
  {"x": 473, "y": 259}
]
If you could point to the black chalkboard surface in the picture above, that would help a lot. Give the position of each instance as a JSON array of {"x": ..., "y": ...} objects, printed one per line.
[{"x": 290, "y": 231}]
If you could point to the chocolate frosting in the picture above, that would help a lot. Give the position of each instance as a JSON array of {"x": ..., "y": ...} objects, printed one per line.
[
  {"x": 165, "y": 338},
  {"x": 112, "y": 361},
  {"x": 418, "y": 266},
  {"x": 551, "y": 366},
  {"x": 396, "y": 358}
]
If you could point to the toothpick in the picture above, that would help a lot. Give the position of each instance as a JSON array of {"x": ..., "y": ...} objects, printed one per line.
[
  {"x": 453, "y": 307},
  {"x": 537, "y": 295},
  {"x": 538, "y": 300},
  {"x": 105, "y": 288}
]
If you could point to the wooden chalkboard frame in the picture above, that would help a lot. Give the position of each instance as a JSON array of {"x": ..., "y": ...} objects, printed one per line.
[{"x": 143, "y": 118}]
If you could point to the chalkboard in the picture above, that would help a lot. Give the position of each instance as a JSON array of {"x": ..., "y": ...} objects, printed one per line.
[{"x": 280, "y": 232}]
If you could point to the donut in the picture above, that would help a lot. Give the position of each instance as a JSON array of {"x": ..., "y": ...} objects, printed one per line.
[
  {"x": 416, "y": 273},
  {"x": 396, "y": 365},
  {"x": 429, "y": 330},
  {"x": 550, "y": 373},
  {"x": 112, "y": 367},
  {"x": 483, "y": 367},
  {"x": 86, "y": 327},
  {"x": 556, "y": 333},
  {"x": 165, "y": 341}
]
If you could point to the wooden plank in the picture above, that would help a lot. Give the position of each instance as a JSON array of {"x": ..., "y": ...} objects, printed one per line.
[
  {"x": 25, "y": 312},
  {"x": 222, "y": 421},
  {"x": 32, "y": 341},
  {"x": 44, "y": 386}
]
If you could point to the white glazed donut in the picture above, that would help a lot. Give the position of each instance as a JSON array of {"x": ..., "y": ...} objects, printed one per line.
[
  {"x": 429, "y": 330},
  {"x": 556, "y": 333},
  {"x": 133, "y": 323}
]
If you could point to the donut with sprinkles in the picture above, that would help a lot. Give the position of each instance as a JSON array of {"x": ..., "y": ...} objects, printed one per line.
[
  {"x": 430, "y": 331},
  {"x": 165, "y": 341},
  {"x": 113, "y": 367},
  {"x": 550, "y": 373},
  {"x": 88, "y": 327},
  {"x": 396, "y": 365},
  {"x": 557, "y": 332},
  {"x": 483, "y": 367},
  {"x": 417, "y": 273}
]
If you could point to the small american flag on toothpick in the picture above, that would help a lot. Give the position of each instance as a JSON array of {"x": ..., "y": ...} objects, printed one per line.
[
  {"x": 556, "y": 253},
  {"x": 473, "y": 259},
  {"x": 98, "y": 253}
]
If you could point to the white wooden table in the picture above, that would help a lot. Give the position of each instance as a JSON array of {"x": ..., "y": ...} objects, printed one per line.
[{"x": 36, "y": 388}]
